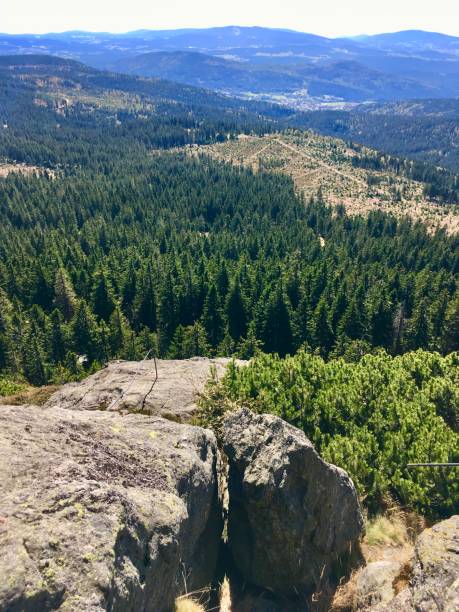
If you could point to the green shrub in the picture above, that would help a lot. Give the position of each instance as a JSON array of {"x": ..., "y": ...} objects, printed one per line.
[
  {"x": 372, "y": 418},
  {"x": 10, "y": 387}
]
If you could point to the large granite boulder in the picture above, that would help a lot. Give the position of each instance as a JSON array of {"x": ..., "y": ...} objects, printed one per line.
[
  {"x": 166, "y": 388},
  {"x": 100, "y": 511},
  {"x": 291, "y": 514}
]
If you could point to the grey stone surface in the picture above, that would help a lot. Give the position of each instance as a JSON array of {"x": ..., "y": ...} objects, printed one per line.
[
  {"x": 435, "y": 582},
  {"x": 100, "y": 511},
  {"x": 130, "y": 386},
  {"x": 291, "y": 514},
  {"x": 375, "y": 584},
  {"x": 434, "y": 585}
]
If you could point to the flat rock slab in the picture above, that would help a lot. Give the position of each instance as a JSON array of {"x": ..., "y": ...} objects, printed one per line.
[
  {"x": 101, "y": 511},
  {"x": 132, "y": 386}
]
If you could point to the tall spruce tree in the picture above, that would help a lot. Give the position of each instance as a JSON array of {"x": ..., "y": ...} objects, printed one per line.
[
  {"x": 64, "y": 295},
  {"x": 277, "y": 331},
  {"x": 236, "y": 313},
  {"x": 102, "y": 298},
  {"x": 211, "y": 317}
]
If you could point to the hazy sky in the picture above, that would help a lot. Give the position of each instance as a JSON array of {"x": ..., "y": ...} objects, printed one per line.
[{"x": 326, "y": 17}]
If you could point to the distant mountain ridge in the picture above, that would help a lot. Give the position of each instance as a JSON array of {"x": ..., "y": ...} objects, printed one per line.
[{"x": 272, "y": 62}]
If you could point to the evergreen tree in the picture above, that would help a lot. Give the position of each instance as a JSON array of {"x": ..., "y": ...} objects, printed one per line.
[
  {"x": 57, "y": 339},
  {"x": 145, "y": 302},
  {"x": 380, "y": 322},
  {"x": 102, "y": 299},
  {"x": 6, "y": 330},
  {"x": 42, "y": 291},
  {"x": 417, "y": 333},
  {"x": 211, "y": 317},
  {"x": 320, "y": 329},
  {"x": 450, "y": 337},
  {"x": 277, "y": 332},
  {"x": 301, "y": 321},
  {"x": 117, "y": 332},
  {"x": 167, "y": 314},
  {"x": 85, "y": 333},
  {"x": 222, "y": 280},
  {"x": 236, "y": 313},
  {"x": 64, "y": 295},
  {"x": 32, "y": 358},
  {"x": 195, "y": 342},
  {"x": 128, "y": 293},
  {"x": 351, "y": 324}
]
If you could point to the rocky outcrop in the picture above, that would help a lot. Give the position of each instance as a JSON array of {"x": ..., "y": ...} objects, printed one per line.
[
  {"x": 375, "y": 584},
  {"x": 434, "y": 585},
  {"x": 291, "y": 514},
  {"x": 101, "y": 511},
  {"x": 132, "y": 386}
]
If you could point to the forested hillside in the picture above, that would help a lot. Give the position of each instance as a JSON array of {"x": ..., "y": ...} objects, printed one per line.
[
  {"x": 56, "y": 112},
  {"x": 426, "y": 130}
]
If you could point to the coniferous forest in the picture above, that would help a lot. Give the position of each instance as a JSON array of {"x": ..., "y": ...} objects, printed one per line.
[
  {"x": 191, "y": 257},
  {"x": 115, "y": 248}
]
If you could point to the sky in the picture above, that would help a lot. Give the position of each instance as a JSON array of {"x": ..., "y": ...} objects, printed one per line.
[{"x": 325, "y": 17}]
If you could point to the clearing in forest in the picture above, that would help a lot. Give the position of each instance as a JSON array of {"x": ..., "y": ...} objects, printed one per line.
[{"x": 327, "y": 165}]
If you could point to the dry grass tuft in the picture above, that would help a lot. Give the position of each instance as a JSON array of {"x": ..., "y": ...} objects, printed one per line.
[
  {"x": 344, "y": 599},
  {"x": 388, "y": 537},
  {"x": 386, "y": 531},
  {"x": 186, "y": 604}
]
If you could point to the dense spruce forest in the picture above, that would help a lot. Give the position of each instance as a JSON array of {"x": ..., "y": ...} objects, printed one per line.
[
  {"x": 115, "y": 248},
  {"x": 191, "y": 257}
]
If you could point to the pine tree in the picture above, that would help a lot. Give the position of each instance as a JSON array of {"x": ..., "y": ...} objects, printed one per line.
[
  {"x": 222, "y": 280},
  {"x": 277, "y": 331},
  {"x": 85, "y": 334},
  {"x": 301, "y": 321},
  {"x": 236, "y": 313},
  {"x": 167, "y": 314},
  {"x": 32, "y": 358},
  {"x": 57, "y": 339},
  {"x": 102, "y": 299},
  {"x": 380, "y": 323},
  {"x": 351, "y": 323},
  {"x": 64, "y": 295},
  {"x": 6, "y": 331},
  {"x": 117, "y": 332},
  {"x": 128, "y": 292},
  {"x": 320, "y": 329},
  {"x": 145, "y": 303},
  {"x": 450, "y": 337},
  {"x": 195, "y": 342},
  {"x": 417, "y": 333},
  {"x": 42, "y": 292},
  {"x": 211, "y": 317}
]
